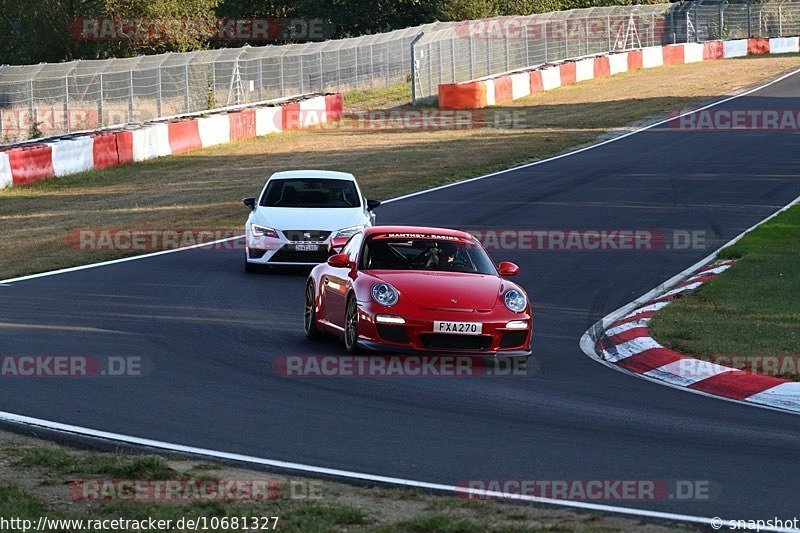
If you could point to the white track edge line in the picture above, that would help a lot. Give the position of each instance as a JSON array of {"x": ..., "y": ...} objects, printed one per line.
[
  {"x": 10, "y": 417},
  {"x": 180, "y": 448},
  {"x": 440, "y": 187}
]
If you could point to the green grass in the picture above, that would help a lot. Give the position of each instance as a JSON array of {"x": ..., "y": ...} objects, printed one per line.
[
  {"x": 87, "y": 464},
  {"x": 442, "y": 523},
  {"x": 15, "y": 502},
  {"x": 753, "y": 309}
]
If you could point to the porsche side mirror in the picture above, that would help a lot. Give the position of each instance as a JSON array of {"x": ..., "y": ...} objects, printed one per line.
[
  {"x": 507, "y": 269},
  {"x": 373, "y": 204},
  {"x": 250, "y": 202},
  {"x": 339, "y": 261},
  {"x": 336, "y": 244}
]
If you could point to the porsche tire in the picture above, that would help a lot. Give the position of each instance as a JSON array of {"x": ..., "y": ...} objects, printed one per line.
[
  {"x": 351, "y": 325},
  {"x": 310, "y": 313}
]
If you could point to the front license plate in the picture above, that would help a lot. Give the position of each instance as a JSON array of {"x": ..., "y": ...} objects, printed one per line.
[
  {"x": 306, "y": 247},
  {"x": 457, "y": 328}
]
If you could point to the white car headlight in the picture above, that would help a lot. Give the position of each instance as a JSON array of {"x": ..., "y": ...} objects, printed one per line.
[
  {"x": 263, "y": 231},
  {"x": 515, "y": 300},
  {"x": 349, "y": 232},
  {"x": 384, "y": 294}
]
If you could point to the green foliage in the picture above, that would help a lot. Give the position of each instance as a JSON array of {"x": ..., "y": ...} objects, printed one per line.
[{"x": 40, "y": 30}]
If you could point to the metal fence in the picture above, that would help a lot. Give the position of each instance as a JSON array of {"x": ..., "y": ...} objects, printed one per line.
[
  {"x": 52, "y": 99},
  {"x": 474, "y": 49}
]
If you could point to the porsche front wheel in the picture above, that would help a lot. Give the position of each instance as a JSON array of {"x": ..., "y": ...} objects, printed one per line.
[
  {"x": 351, "y": 325},
  {"x": 310, "y": 313}
]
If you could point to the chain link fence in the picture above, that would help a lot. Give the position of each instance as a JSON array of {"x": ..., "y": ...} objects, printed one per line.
[
  {"x": 51, "y": 99},
  {"x": 474, "y": 49}
]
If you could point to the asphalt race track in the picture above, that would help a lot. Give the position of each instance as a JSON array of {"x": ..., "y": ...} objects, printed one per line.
[{"x": 211, "y": 333}]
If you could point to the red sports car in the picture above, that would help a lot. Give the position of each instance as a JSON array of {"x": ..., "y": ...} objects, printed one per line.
[{"x": 413, "y": 289}]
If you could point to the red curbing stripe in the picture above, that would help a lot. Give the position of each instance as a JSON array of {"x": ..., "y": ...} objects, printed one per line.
[
  {"x": 714, "y": 265},
  {"x": 692, "y": 281},
  {"x": 737, "y": 384},
  {"x": 625, "y": 336},
  {"x": 650, "y": 359},
  {"x": 632, "y": 318}
]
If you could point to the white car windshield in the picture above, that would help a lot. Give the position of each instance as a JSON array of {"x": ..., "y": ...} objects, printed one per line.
[{"x": 310, "y": 192}]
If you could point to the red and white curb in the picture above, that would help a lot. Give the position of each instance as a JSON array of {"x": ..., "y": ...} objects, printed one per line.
[{"x": 625, "y": 343}]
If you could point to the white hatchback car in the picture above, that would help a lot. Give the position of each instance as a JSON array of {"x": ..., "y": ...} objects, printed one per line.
[{"x": 301, "y": 215}]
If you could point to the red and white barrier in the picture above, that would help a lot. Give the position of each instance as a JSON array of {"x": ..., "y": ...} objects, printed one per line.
[
  {"x": 214, "y": 130},
  {"x": 784, "y": 45},
  {"x": 567, "y": 72},
  {"x": 652, "y": 57},
  {"x": 584, "y": 69},
  {"x": 184, "y": 136},
  {"x": 31, "y": 163},
  {"x": 334, "y": 103},
  {"x": 520, "y": 85},
  {"x": 151, "y": 141},
  {"x": 506, "y": 87},
  {"x": 6, "y": 179},
  {"x": 243, "y": 124},
  {"x": 20, "y": 165},
  {"x": 71, "y": 156},
  {"x": 313, "y": 112},
  {"x": 268, "y": 120},
  {"x": 692, "y": 52},
  {"x": 104, "y": 150},
  {"x": 489, "y": 94},
  {"x": 737, "y": 48},
  {"x": 551, "y": 78},
  {"x": 618, "y": 63}
]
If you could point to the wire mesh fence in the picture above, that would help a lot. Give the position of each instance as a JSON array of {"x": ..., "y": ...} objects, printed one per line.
[{"x": 51, "y": 99}]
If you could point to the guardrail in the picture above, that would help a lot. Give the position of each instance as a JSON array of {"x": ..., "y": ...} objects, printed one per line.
[
  {"x": 511, "y": 86},
  {"x": 31, "y": 162}
]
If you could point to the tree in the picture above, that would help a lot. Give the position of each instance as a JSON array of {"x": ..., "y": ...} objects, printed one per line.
[{"x": 51, "y": 30}]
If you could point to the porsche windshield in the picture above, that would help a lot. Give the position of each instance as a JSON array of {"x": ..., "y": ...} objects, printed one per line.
[
  {"x": 310, "y": 192},
  {"x": 444, "y": 255}
]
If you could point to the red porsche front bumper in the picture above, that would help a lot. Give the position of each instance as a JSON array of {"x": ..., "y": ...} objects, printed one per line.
[{"x": 407, "y": 329}]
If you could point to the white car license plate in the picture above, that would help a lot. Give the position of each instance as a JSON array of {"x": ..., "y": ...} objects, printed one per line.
[
  {"x": 306, "y": 247},
  {"x": 457, "y": 328}
]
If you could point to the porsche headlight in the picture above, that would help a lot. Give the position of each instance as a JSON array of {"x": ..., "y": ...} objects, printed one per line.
[
  {"x": 515, "y": 300},
  {"x": 349, "y": 232},
  {"x": 263, "y": 231},
  {"x": 384, "y": 294}
]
